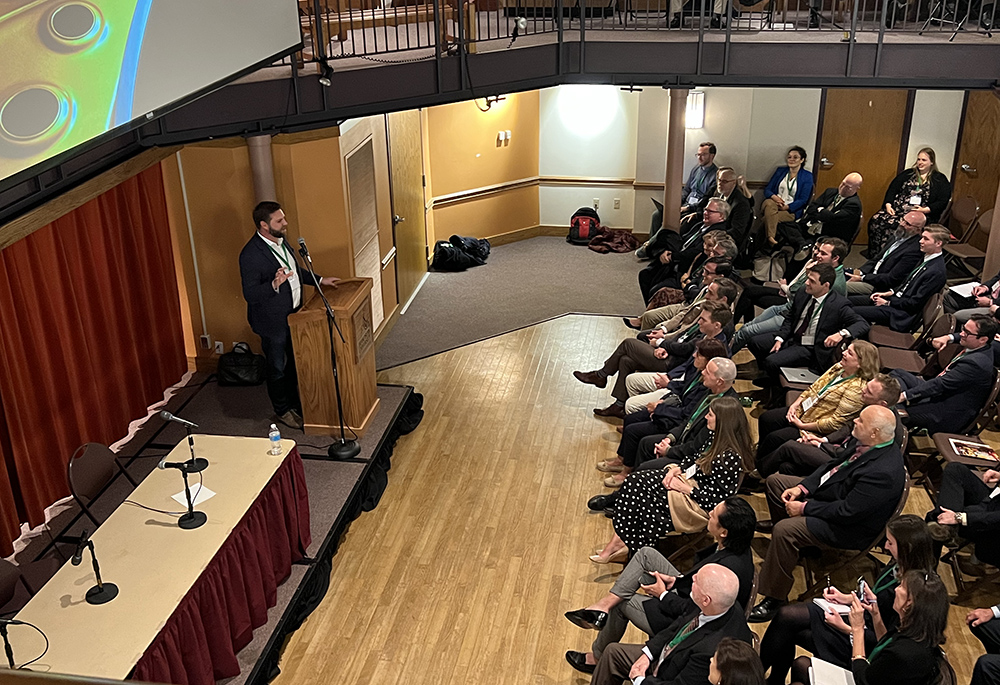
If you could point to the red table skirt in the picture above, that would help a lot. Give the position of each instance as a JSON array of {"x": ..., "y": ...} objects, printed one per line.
[{"x": 215, "y": 620}]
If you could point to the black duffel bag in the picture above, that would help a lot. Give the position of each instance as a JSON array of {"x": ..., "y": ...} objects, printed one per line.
[{"x": 241, "y": 366}]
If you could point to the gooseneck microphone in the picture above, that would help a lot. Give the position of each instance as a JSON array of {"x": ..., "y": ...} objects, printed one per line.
[{"x": 167, "y": 416}]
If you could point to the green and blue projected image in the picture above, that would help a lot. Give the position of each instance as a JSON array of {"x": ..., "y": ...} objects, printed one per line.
[{"x": 70, "y": 70}]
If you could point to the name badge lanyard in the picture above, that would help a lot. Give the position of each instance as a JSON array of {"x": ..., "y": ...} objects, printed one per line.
[
  {"x": 834, "y": 383},
  {"x": 283, "y": 257},
  {"x": 701, "y": 408},
  {"x": 790, "y": 183}
]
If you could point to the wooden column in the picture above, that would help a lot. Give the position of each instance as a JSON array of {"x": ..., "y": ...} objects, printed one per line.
[
  {"x": 992, "y": 264},
  {"x": 675, "y": 158},
  {"x": 262, "y": 167}
]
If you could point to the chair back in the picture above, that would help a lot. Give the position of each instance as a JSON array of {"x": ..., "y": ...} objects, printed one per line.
[
  {"x": 10, "y": 576},
  {"x": 904, "y": 441},
  {"x": 982, "y": 419},
  {"x": 964, "y": 212},
  {"x": 753, "y": 594},
  {"x": 943, "y": 325},
  {"x": 985, "y": 222},
  {"x": 937, "y": 362},
  {"x": 89, "y": 471},
  {"x": 906, "y": 489},
  {"x": 933, "y": 308}
]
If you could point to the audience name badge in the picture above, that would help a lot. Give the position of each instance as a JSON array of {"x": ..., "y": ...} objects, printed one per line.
[
  {"x": 293, "y": 278},
  {"x": 808, "y": 404},
  {"x": 996, "y": 491},
  {"x": 690, "y": 471},
  {"x": 915, "y": 200},
  {"x": 693, "y": 198},
  {"x": 825, "y": 477}
]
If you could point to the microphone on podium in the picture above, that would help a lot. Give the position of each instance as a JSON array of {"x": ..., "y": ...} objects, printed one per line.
[
  {"x": 167, "y": 416},
  {"x": 304, "y": 251}
]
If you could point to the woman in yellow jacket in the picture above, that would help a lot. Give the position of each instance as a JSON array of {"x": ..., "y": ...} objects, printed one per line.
[{"x": 829, "y": 403}]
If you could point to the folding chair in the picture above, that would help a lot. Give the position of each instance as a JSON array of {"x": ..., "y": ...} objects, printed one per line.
[
  {"x": 964, "y": 251},
  {"x": 912, "y": 360},
  {"x": 883, "y": 336}
]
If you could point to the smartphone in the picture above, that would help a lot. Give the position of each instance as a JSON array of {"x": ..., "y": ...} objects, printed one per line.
[
  {"x": 647, "y": 578},
  {"x": 862, "y": 586}
]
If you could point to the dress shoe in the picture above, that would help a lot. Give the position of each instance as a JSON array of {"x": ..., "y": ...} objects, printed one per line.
[
  {"x": 588, "y": 619},
  {"x": 578, "y": 660},
  {"x": 765, "y": 610},
  {"x": 765, "y": 526},
  {"x": 641, "y": 252},
  {"x": 608, "y": 467},
  {"x": 591, "y": 378},
  {"x": 613, "y": 481},
  {"x": 290, "y": 419},
  {"x": 675, "y": 22},
  {"x": 628, "y": 322},
  {"x": 619, "y": 557},
  {"x": 609, "y": 513},
  {"x": 813, "y": 20},
  {"x": 614, "y": 411},
  {"x": 716, "y": 22},
  {"x": 599, "y": 502}
]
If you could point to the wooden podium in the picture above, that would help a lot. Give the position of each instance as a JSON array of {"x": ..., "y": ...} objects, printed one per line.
[{"x": 352, "y": 308}]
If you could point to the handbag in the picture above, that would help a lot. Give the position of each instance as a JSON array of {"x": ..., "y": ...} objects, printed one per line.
[
  {"x": 241, "y": 366},
  {"x": 686, "y": 514}
]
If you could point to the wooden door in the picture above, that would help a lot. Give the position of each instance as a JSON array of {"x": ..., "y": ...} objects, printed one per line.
[
  {"x": 406, "y": 169},
  {"x": 977, "y": 167},
  {"x": 862, "y": 132}
]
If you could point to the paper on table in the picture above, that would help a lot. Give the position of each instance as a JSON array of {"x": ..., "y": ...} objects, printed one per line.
[
  {"x": 199, "y": 494},
  {"x": 824, "y": 605},
  {"x": 824, "y": 673},
  {"x": 965, "y": 289}
]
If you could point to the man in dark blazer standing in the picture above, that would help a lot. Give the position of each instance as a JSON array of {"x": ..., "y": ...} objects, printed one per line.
[
  {"x": 272, "y": 286},
  {"x": 681, "y": 653},
  {"x": 836, "y": 212},
  {"x": 843, "y": 505},
  {"x": 950, "y": 400},
  {"x": 901, "y": 309},
  {"x": 889, "y": 268},
  {"x": 818, "y": 321}
]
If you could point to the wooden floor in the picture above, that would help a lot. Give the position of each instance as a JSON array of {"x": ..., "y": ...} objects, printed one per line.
[{"x": 480, "y": 543}]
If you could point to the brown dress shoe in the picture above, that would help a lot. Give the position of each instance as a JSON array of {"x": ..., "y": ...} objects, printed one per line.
[
  {"x": 591, "y": 378},
  {"x": 615, "y": 411},
  {"x": 290, "y": 419}
]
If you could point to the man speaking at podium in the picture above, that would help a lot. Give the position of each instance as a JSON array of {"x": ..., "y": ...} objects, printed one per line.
[{"x": 272, "y": 286}]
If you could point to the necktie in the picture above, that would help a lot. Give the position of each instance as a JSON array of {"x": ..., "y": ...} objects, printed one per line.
[
  {"x": 678, "y": 638},
  {"x": 807, "y": 316}
]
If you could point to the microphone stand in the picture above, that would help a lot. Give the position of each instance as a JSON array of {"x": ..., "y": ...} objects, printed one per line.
[
  {"x": 6, "y": 645},
  {"x": 192, "y": 519},
  {"x": 344, "y": 449},
  {"x": 197, "y": 464},
  {"x": 102, "y": 593}
]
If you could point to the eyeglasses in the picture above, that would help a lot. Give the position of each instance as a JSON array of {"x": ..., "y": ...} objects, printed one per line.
[
  {"x": 966, "y": 331},
  {"x": 712, "y": 211}
]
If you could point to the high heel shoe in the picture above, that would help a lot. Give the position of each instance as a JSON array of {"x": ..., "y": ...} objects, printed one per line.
[{"x": 619, "y": 557}]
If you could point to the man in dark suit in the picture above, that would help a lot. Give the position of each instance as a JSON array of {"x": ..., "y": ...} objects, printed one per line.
[
  {"x": 901, "y": 309},
  {"x": 985, "y": 625},
  {"x": 968, "y": 508},
  {"x": 843, "y": 505},
  {"x": 818, "y": 321},
  {"x": 272, "y": 286},
  {"x": 740, "y": 211},
  {"x": 680, "y": 654},
  {"x": 985, "y": 300},
  {"x": 889, "y": 268},
  {"x": 950, "y": 400},
  {"x": 808, "y": 452},
  {"x": 731, "y": 522},
  {"x": 836, "y": 212}
]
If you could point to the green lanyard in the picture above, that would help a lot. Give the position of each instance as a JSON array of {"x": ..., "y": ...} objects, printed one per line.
[
  {"x": 284, "y": 260},
  {"x": 833, "y": 383},
  {"x": 700, "y": 409},
  {"x": 883, "y": 583},
  {"x": 913, "y": 273},
  {"x": 878, "y": 648},
  {"x": 684, "y": 632},
  {"x": 688, "y": 332},
  {"x": 694, "y": 382},
  {"x": 790, "y": 183}
]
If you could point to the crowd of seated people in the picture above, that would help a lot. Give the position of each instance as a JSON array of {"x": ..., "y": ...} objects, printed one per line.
[{"x": 829, "y": 459}]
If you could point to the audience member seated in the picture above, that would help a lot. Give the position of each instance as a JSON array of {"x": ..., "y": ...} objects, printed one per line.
[
  {"x": 888, "y": 268},
  {"x": 658, "y": 354},
  {"x": 983, "y": 624},
  {"x": 911, "y": 654},
  {"x": 810, "y": 451},
  {"x": 787, "y": 193},
  {"x": 670, "y": 318},
  {"x": 648, "y": 391},
  {"x": 691, "y": 282},
  {"x": 675, "y": 257},
  {"x": 835, "y": 213},
  {"x": 968, "y": 509},
  {"x": 818, "y": 321},
  {"x": 953, "y": 398},
  {"x": 921, "y": 188},
  {"x": 902, "y": 309},
  {"x": 777, "y": 301},
  {"x": 826, "y": 633},
  {"x": 681, "y": 654},
  {"x": 985, "y": 300},
  {"x": 653, "y": 503},
  {"x": 735, "y": 663},
  {"x": 684, "y": 421},
  {"x": 740, "y": 206},
  {"x": 844, "y": 505},
  {"x": 731, "y": 525},
  {"x": 828, "y": 404}
]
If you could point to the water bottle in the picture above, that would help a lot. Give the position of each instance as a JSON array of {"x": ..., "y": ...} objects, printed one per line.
[{"x": 275, "y": 436}]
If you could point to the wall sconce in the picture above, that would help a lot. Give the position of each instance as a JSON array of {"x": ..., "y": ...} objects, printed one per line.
[
  {"x": 490, "y": 101},
  {"x": 694, "y": 117}
]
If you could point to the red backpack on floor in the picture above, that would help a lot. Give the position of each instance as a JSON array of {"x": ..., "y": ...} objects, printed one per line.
[{"x": 583, "y": 225}]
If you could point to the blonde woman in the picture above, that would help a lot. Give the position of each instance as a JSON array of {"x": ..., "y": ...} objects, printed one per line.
[{"x": 920, "y": 188}]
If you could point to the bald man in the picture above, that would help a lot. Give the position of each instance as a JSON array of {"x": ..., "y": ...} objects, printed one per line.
[
  {"x": 681, "y": 653},
  {"x": 836, "y": 212},
  {"x": 889, "y": 268},
  {"x": 844, "y": 504}
]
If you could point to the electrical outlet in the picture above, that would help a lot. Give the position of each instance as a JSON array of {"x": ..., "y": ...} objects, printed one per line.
[
  {"x": 219, "y": 347},
  {"x": 206, "y": 342},
  {"x": 597, "y": 202},
  {"x": 618, "y": 203}
]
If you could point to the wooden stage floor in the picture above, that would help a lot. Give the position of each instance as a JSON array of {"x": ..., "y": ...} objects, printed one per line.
[{"x": 480, "y": 543}]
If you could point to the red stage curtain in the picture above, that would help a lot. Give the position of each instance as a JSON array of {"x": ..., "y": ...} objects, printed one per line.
[{"x": 90, "y": 336}]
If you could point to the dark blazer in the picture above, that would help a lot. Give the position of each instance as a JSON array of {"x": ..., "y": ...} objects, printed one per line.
[
  {"x": 837, "y": 314},
  {"x": 740, "y": 215},
  {"x": 852, "y": 508},
  {"x": 662, "y": 612},
  {"x": 688, "y": 663},
  {"x": 695, "y": 244},
  {"x": 841, "y": 222},
  {"x": 901, "y": 662},
  {"x": 906, "y": 309},
  {"x": 679, "y": 435},
  {"x": 894, "y": 270},
  {"x": 948, "y": 402},
  {"x": 267, "y": 310},
  {"x": 803, "y": 188},
  {"x": 682, "y": 349},
  {"x": 937, "y": 200}
]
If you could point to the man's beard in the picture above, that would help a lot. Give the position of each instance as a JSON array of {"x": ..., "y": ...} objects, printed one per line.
[{"x": 276, "y": 234}]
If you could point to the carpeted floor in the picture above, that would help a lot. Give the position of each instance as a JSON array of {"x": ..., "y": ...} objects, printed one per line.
[{"x": 523, "y": 283}]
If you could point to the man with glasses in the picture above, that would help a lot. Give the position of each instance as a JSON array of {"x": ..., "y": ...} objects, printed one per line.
[
  {"x": 889, "y": 268},
  {"x": 953, "y": 398},
  {"x": 835, "y": 212},
  {"x": 740, "y": 211}
]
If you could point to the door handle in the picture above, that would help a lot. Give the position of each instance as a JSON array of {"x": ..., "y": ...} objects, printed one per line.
[
  {"x": 968, "y": 169},
  {"x": 825, "y": 163},
  {"x": 397, "y": 219}
]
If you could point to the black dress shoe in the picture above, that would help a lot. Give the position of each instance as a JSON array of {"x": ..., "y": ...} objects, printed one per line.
[
  {"x": 588, "y": 619},
  {"x": 578, "y": 660},
  {"x": 599, "y": 502},
  {"x": 765, "y": 526},
  {"x": 609, "y": 513},
  {"x": 765, "y": 610},
  {"x": 716, "y": 22},
  {"x": 628, "y": 322},
  {"x": 591, "y": 378},
  {"x": 675, "y": 22}
]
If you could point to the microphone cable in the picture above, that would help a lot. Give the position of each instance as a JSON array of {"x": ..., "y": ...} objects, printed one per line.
[
  {"x": 14, "y": 622},
  {"x": 194, "y": 496}
]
